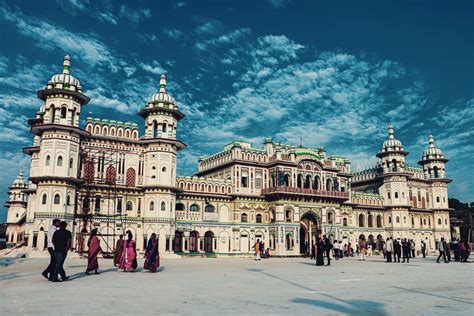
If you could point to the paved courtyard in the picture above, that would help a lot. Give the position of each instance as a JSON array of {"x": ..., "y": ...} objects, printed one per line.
[{"x": 242, "y": 286}]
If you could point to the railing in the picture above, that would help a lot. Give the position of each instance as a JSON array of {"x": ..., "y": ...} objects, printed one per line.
[{"x": 305, "y": 191}]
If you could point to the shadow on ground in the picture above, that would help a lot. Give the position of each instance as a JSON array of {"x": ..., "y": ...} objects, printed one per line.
[{"x": 354, "y": 307}]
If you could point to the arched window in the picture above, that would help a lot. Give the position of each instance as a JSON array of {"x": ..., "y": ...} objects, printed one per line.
[
  {"x": 397, "y": 219},
  {"x": 68, "y": 200},
  {"x": 439, "y": 221},
  {"x": 163, "y": 206},
  {"x": 396, "y": 195},
  {"x": 129, "y": 206},
  {"x": 344, "y": 221},
  {"x": 152, "y": 206},
  {"x": 48, "y": 160},
  {"x": 179, "y": 206},
  {"x": 209, "y": 208},
  {"x": 289, "y": 216},
  {"x": 164, "y": 127},
  {"x": 44, "y": 199},
  {"x": 379, "y": 221},
  {"x": 63, "y": 112},
  {"x": 60, "y": 161},
  {"x": 390, "y": 219},
  {"x": 194, "y": 208},
  {"x": 163, "y": 169},
  {"x": 388, "y": 195},
  {"x": 155, "y": 129},
  {"x": 361, "y": 220},
  {"x": 328, "y": 185},
  {"x": 258, "y": 218},
  {"x": 71, "y": 163},
  {"x": 244, "y": 218},
  {"x": 330, "y": 218},
  {"x": 435, "y": 172},
  {"x": 437, "y": 199},
  {"x": 272, "y": 216},
  {"x": 56, "y": 199},
  {"x": 369, "y": 220}
]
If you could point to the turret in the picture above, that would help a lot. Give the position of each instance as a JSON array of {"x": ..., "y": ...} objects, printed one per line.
[
  {"x": 433, "y": 161},
  {"x": 392, "y": 154},
  {"x": 16, "y": 203}
]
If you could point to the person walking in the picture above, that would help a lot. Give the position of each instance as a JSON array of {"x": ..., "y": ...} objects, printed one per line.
[
  {"x": 389, "y": 249},
  {"x": 129, "y": 254},
  {"x": 93, "y": 252},
  {"x": 406, "y": 250},
  {"x": 62, "y": 242},
  {"x": 319, "y": 252},
  {"x": 363, "y": 249},
  {"x": 152, "y": 256},
  {"x": 49, "y": 271},
  {"x": 336, "y": 250},
  {"x": 397, "y": 251},
  {"x": 447, "y": 250},
  {"x": 327, "y": 248},
  {"x": 456, "y": 249},
  {"x": 441, "y": 249},
  {"x": 412, "y": 248},
  {"x": 257, "y": 249},
  {"x": 118, "y": 250},
  {"x": 423, "y": 249}
]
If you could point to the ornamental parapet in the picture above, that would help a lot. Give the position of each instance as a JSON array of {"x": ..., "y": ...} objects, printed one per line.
[{"x": 301, "y": 191}]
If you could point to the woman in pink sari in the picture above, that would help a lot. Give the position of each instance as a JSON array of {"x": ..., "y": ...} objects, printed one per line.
[
  {"x": 93, "y": 252},
  {"x": 129, "y": 257}
]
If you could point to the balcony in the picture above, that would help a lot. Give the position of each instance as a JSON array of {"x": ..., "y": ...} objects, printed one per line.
[{"x": 307, "y": 192}]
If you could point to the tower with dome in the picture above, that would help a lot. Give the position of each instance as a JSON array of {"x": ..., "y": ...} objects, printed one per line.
[{"x": 118, "y": 176}]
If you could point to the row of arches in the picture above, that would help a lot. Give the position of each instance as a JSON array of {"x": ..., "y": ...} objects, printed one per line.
[
  {"x": 203, "y": 187},
  {"x": 209, "y": 208},
  {"x": 106, "y": 130},
  {"x": 370, "y": 221},
  {"x": 56, "y": 199},
  {"x": 63, "y": 109},
  {"x": 59, "y": 161},
  {"x": 159, "y": 128}
]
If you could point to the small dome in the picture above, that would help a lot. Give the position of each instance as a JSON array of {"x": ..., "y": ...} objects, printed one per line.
[
  {"x": 162, "y": 96},
  {"x": 65, "y": 80},
  {"x": 19, "y": 182},
  {"x": 391, "y": 144},
  {"x": 432, "y": 152}
]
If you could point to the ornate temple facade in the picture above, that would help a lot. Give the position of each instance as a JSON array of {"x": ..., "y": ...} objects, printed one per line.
[{"x": 106, "y": 175}]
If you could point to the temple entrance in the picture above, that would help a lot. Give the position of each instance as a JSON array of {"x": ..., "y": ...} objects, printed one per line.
[
  {"x": 208, "y": 240},
  {"x": 193, "y": 241},
  {"x": 178, "y": 241},
  {"x": 309, "y": 232}
]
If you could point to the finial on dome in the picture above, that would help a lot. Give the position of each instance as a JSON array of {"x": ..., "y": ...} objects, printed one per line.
[
  {"x": 66, "y": 64},
  {"x": 162, "y": 83},
  {"x": 431, "y": 141},
  {"x": 390, "y": 132},
  {"x": 20, "y": 173}
]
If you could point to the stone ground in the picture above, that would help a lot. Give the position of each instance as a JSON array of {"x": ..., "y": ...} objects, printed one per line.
[{"x": 242, "y": 286}]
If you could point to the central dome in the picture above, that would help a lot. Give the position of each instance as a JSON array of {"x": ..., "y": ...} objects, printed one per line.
[{"x": 392, "y": 144}]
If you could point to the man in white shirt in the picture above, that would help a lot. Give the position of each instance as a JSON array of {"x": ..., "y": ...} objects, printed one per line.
[
  {"x": 48, "y": 272},
  {"x": 442, "y": 250}
]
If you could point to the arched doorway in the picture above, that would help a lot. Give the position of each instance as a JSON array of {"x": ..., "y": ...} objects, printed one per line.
[
  {"x": 361, "y": 237},
  {"x": 309, "y": 232},
  {"x": 208, "y": 240},
  {"x": 371, "y": 240},
  {"x": 178, "y": 241},
  {"x": 193, "y": 241},
  {"x": 379, "y": 242}
]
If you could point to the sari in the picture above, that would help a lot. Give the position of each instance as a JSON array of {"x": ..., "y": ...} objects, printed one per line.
[
  {"x": 129, "y": 256},
  {"x": 152, "y": 256},
  {"x": 118, "y": 251},
  {"x": 94, "y": 249}
]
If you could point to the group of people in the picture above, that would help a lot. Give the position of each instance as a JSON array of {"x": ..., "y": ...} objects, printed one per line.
[
  {"x": 125, "y": 256},
  {"x": 394, "y": 249},
  {"x": 460, "y": 249},
  {"x": 260, "y": 250}
]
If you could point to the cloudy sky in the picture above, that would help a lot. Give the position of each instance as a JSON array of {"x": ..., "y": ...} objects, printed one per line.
[{"x": 333, "y": 72}]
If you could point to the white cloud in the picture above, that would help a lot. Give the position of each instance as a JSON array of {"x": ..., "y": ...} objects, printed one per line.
[
  {"x": 108, "y": 17},
  {"x": 173, "y": 33},
  {"x": 154, "y": 68},
  {"x": 134, "y": 15}
]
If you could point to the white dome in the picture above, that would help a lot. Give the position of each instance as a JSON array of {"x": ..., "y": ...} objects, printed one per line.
[
  {"x": 19, "y": 182},
  {"x": 65, "y": 80},
  {"x": 391, "y": 144},
  {"x": 432, "y": 152},
  {"x": 162, "y": 96}
]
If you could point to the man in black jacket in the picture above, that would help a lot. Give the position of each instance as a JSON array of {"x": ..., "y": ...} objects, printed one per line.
[
  {"x": 62, "y": 243},
  {"x": 397, "y": 251},
  {"x": 327, "y": 248}
]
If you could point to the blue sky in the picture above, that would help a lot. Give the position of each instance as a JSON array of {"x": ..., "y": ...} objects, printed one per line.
[{"x": 333, "y": 72}]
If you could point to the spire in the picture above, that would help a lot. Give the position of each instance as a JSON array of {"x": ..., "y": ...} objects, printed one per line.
[
  {"x": 390, "y": 132},
  {"x": 20, "y": 174},
  {"x": 162, "y": 83},
  {"x": 66, "y": 64},
  {"x": 431, "y": 141}
]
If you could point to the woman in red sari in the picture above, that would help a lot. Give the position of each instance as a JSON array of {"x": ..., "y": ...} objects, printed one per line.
[
  {"x": 128, "y": 260},
  {"x": 93, "y": 252},
  {"x": 118, "y": 250},
  {"x": 152, "y": 256}
]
